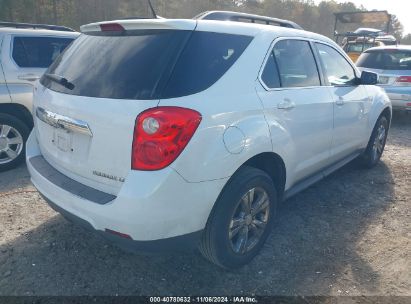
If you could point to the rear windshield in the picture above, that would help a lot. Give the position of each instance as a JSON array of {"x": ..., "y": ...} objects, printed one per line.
[
  {"x": 386, "y": 60},
  {"x": 147, "y": 64}
]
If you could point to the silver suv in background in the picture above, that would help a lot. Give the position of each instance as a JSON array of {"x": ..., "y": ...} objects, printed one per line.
[
  {"x": 26, "y": 51},
  {"x": 393, "y": 65}
]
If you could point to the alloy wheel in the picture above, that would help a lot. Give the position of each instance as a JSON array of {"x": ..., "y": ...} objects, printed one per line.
[
  {"x": 249, "y": 220},
  {"x": 379, "y": 142},
  {"x": 11, "y": 144}
]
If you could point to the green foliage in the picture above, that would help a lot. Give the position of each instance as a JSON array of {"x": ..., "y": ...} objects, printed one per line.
[{"x": 317, "y": 18}]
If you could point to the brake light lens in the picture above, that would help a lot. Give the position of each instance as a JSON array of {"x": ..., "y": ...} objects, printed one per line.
[
  {"x": 160, "y": 135},
  {"x": 112, "y": 27},
  {"x": 403, "y": 81}
]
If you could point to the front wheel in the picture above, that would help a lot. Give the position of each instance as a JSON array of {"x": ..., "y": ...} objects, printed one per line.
[
  {"x": 377, "y": 142},
  {"x": 241, "y": 220},
  {"x": 13, "y": 137}
]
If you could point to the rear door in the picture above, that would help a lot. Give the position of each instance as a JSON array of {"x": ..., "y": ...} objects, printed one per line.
[
  {"x": 350, "y": 102},
  {"x": 4, "y": 92},
  {"x": 295, "y": 101}
]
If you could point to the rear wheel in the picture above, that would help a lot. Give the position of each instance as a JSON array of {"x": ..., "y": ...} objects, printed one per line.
[
  {"x": 13, "y": 137},
  {"x": 377, "y": 142},
  {"x": 241, "y": 219}
]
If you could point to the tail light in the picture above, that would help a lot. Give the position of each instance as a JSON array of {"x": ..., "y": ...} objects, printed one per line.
[
  {"x": 160, "y": 135},
  {"x": 403, "y": 81}
]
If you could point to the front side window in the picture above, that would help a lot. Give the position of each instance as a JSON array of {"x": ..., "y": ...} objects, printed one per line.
[
  {"x": 296, "y": 64},
  {"x": 38, "y": 52},
  {"x": 337, "y": 69}
]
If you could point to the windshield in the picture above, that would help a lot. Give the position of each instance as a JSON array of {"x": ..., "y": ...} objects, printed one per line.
[
  {"x": 386, "y": 59},
  {"x": 359, "y": 47},
  {"x": 145, "y": 64}
]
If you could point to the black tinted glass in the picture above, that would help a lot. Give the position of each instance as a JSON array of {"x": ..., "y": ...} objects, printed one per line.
[
  {"x": 145, "y": 64},
  {"x": 386, "y": 60},
  {"x": 206, "y": 58},
  {"x": 270, "y": 74},
  {"x": 121, "y": 67},
  {"x": 38, "y": 52},
  {"x": 296, "y": 64}
]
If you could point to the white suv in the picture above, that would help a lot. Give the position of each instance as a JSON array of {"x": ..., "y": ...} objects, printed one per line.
[
  {"x": 167, "y": 134},
  {"x": 26, "y": 51}
]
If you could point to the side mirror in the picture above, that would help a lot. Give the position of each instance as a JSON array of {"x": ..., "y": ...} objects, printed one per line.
[{"x": 369, "y": 78}]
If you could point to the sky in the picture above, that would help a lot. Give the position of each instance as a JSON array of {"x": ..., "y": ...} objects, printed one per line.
[{"x": 401, "y": 8}]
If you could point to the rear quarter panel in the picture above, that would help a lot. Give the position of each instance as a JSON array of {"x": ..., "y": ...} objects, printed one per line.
[{"x": 233, "y": 127}]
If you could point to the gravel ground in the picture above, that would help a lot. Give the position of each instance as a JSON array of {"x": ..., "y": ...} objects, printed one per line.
[{"x": 347, "y": 235}]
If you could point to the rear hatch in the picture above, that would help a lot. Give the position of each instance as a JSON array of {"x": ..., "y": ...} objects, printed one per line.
[
  {"x": 92, "y": 94},
  {"x": 89, "y": 99}
]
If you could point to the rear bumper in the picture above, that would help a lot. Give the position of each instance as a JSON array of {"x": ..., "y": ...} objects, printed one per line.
[
  {"x": 156, "y": 210},
  {"x": 176, "y": 244},
  {"x": 400, "y": 100}
]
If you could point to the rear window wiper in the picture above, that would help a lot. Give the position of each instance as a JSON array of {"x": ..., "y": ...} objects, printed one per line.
[{"x": 60, "y": 80}]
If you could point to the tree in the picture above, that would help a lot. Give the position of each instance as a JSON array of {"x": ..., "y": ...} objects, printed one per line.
[{"x": 73, "y": 13}]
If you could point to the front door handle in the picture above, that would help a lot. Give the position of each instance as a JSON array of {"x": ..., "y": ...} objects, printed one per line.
[
  {"x": 29, "y": 77},
  {"x": 287, "y": 104}
]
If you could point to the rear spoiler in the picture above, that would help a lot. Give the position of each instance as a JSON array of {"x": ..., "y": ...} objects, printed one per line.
[{"x": 140, "y": 24}]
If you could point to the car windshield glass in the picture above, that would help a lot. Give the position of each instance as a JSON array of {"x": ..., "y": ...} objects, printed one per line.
[
  {"x": 386, "y": 60},
  {"x": 145, "y": 64},
  {"x": 358, "y": 48}
]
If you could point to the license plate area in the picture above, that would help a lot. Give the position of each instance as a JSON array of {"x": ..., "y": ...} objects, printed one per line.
[
  {"x": 383, "y": 79},
  {"x": 63, "y": 140},
  {"x": 63, "y": 146}
]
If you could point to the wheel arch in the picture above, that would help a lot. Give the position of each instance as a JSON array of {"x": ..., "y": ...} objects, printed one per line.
[
  {"x": 272, "y": 164},
  {"x": 19, "y": 112},
  {"x": 387, "y": 112}
]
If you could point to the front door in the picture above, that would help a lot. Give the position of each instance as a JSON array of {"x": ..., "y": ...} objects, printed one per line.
[{"x": 350, "y": 102}]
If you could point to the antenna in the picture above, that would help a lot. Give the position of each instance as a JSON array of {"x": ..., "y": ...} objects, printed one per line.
[{"x": 152, "y": 9}]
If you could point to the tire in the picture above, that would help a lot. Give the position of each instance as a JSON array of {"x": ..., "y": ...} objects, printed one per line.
[
  {"x": 376, "y": 145},
  {"x": 216, "y": 244},
  {"x": 13, "y": 137}
]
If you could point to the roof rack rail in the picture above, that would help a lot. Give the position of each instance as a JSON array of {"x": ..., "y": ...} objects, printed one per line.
[
  {"x": 36, "y": 26},
  {"x": 248, "y": 18}
]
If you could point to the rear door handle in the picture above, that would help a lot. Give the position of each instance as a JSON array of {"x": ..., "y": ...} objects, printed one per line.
[
  {"x": 287, "y": 104},
  {"x": 28, "y": 77},
  {"x": 340, "y": 101}
]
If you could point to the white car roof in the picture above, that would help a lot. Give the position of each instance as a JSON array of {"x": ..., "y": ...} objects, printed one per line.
[
  {"x": 391, "y": 47},
  {"x": 230, "y": 27}
]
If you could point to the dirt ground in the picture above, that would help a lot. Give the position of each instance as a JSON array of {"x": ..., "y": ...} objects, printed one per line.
[{"x": 348, "y": 235}]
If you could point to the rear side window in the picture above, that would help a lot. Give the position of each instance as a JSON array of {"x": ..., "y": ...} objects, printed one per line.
[
  {"x": 390, "y": 59},
  {"x": 38, "y": 52},
  {"x": 337, "y": 68},
  {"x": 270, "y": 75},
  {"x": 146, "y": 64},
  {"x": 205, "y": 59},
  {"x": 296, "y": 64}
]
